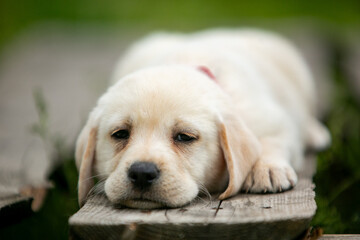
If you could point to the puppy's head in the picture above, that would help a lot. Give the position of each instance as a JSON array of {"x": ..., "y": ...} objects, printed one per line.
[{"x": 162, "y": 135}]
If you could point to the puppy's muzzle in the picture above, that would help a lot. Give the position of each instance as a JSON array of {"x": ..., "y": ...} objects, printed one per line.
[{"x": 143, "y": 175}]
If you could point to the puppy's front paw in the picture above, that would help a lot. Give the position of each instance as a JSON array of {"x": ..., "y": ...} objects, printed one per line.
[{"x": 270, "y": 177}]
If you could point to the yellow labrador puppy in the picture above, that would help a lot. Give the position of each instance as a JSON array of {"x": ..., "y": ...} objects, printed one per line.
[{"x": 215, "y": 111}]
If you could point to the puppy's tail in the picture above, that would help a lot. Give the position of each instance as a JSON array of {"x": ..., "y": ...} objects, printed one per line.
[{"x": 318, "y": 136}]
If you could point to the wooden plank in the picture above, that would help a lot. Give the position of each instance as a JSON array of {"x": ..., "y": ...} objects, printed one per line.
[
  {"x": 340, "y": 237},
  {"x": 10, "y": 200},
  {"x": 246, "y": 216},
  {"x": 13, "y": 206}
]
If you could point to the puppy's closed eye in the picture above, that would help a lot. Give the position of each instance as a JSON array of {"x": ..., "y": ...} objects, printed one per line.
[
  {"x": 120, "y": 138},
  {"x": 185, "y": 138},
  {"x": 122, "y": 134}
]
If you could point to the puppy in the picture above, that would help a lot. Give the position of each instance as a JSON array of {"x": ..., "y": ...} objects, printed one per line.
[{"x": 215, "y": 111}]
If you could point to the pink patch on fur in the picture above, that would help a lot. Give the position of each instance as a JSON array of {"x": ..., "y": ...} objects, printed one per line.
[{"x": 207, "y": 71}]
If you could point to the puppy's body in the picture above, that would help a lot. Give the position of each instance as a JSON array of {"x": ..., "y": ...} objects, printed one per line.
[{"x": 251, "y": 116}]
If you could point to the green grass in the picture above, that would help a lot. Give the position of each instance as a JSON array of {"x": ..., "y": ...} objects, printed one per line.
[
  {"x": 338, "y": 173},
  {"x": 16, "y": 15}
]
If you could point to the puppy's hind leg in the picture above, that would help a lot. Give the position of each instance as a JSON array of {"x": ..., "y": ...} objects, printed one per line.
[{"x": 318, "y": 137}]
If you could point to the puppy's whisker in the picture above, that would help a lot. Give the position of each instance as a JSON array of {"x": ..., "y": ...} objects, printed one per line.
[
  {"x": 204, "y": 195},
  {"x": 204, "y": 201},
  {"x": 100, "y": 176},
  {"x": 204, "y": 190},
  {"x": 97, "y": 189},
  {"x": 100, "y": 181}
]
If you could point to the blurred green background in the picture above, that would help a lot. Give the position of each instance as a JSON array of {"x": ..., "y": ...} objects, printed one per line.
[
  {"x": 15, "y": 15},
  {"x": 338, "y": 177}
]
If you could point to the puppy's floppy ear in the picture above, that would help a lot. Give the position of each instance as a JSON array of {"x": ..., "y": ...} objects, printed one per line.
[
  {"x": 85, "y": 156},
  {"x": 241, "y": 149}
]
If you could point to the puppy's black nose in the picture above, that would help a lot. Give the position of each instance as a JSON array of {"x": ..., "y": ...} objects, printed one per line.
[{"x": 143, "y": 174}]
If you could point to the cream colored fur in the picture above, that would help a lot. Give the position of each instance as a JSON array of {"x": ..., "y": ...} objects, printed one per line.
[{"x": 253, "y": 122}]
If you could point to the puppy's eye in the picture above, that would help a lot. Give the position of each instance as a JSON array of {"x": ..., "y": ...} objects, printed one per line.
[
  {"x": 121, "y": 134},
  {"x": 182, "y": 137}
]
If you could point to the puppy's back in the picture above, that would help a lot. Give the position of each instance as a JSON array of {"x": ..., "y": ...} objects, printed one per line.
[{"x": 273, "y": 54}]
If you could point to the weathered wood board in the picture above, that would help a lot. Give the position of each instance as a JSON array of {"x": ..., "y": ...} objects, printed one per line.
[
  {"x": 340, "y": 237},
  {"x": 246, "y": 216},
  {"x": 13, "y": 208}
]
